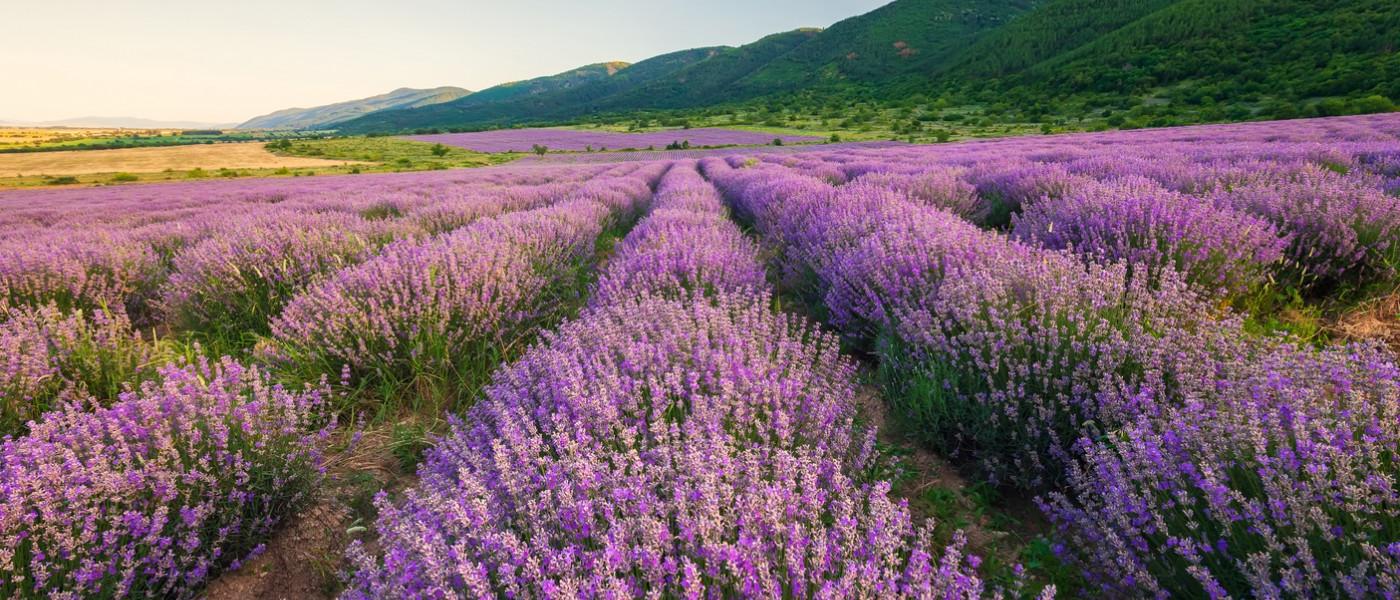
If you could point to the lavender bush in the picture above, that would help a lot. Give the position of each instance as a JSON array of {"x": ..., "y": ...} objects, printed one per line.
[
  {"x": 684, "y": 248},
  {"x": 1220, "y": 251},
  {"x": 942, "y": 188},
  {"x": 1280, "y": 484},
  {"x": 47, "y": 355},
  {"x": 77, "y": 270},
  {"x": 1005, "y": 188},
  {"x": 434, "y": 314},
  {"x": 159, "y": 492},
  {"x": 1343, "y": 229},
  {"x": 660, "y": 447},
  {"x": 235, "y": 281}
]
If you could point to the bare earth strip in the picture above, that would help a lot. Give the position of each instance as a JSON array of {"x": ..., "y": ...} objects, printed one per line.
[{"x": 242, "y": 155}]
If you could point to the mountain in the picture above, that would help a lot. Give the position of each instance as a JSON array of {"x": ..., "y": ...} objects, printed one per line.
[
  {"x": 1057, "y": 27},
  {"x": 909, "y": 37},
  {"x": 1193, "y": 57},
  {"x": 508, "y": 99},
  {"x": 119, "y": 123},
  {"x": 1227, "y": 49},
  {"x": 703, "y": 82},
  {"x": 892, "y": 40},
  {"x": 330, "y": 114}
]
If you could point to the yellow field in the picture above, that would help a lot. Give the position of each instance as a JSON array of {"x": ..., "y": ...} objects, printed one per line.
[
  {"x": 17, "y": 136},
  {"x": 243, "y": 155}
]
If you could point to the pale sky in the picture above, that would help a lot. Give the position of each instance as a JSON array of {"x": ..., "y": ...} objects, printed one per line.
[{"x": 227, "y": 61}]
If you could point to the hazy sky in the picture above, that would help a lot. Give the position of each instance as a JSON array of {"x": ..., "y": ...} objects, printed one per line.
[{"x": 226, "y": 61}]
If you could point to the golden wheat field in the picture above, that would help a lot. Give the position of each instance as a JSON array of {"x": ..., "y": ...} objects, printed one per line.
[{"x": 249, "y": 155}]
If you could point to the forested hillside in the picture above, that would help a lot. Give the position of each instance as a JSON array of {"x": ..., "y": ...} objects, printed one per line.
[{"x": 1170, "y": 61}]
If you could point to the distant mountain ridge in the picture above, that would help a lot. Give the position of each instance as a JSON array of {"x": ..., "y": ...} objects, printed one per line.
[
  {"x": 1024, "y": 53},
  {"x": 119, "y": 123},
  {"x": 866, "y": 50},
  {"x": 330, "y": 114}
]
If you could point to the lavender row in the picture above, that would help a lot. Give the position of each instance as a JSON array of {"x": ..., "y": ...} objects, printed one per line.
[
  {"x": 239, "y": 277},
  {"x": 161, "y": 491},
  {"x": 434, "y": 314},
  {"x": 1327, "y": 191},
  {"x": 48, "y": 356},
  {"x": 667, "y": 442},
  {"x": 685, "y": 248},
  {"x": 1004, "y": 353},
  {"x": 103, "y": 249},
  {"x": 1196, "y": 460},
  {"x": 1217, "y": 249}
]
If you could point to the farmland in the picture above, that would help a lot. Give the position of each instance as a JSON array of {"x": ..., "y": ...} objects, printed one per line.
[
  {"x": 44, "y": 137},
  {"x": 18, "y": 140},
  {"x": 524, "y": 140},
  {"x": 302, "y": 157},
  {"x": 1114, "y": 363},
  {"x": 248, "y": 155}
]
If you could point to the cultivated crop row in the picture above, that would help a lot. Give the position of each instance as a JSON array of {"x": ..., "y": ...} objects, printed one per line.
[
  {"x": 1086, "y": 357},
  {"x": 678, "y": 439},
  {"x": 1073, "y": 318},
  {"x": 137, "y": 479}
]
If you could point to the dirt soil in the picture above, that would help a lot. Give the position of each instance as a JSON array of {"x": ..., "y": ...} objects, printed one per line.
[
  {"x": 1378, "y": 319},
  {"x": 304, "y": 558},
  {"x": 998, "y": 530},
  {"x": 240, "y": 155}
]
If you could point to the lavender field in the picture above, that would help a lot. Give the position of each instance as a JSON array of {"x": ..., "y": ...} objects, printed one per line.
[
  {"x": 652, "y": 377},
  {"x": 573, "y": 140}
]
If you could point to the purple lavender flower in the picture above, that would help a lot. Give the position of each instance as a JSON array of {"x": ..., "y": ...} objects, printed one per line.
[
  {"x": 439, "y": 310},
  {"x": 1343, "y": 228},
  {"x": 1217, "y": 249},
  {"x": 1279, "y": 482},
  {"x": 47, "y": 355},
  {"x": 685, "y": 247},
  {"x": 159, "y": 492},
  {"x": 238, "y": 278},
  {"x": 698, "y": 449}
]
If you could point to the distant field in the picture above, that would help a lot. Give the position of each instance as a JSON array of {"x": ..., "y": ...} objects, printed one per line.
[
  {"x": 390, "y": 153},
  {"x": 524, "y": 140},
  {"x": 13, "y": 136},
  {"x": 250, "y": 155}
]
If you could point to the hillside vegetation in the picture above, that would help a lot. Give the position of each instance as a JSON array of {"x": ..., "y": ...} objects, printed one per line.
[{"x": 1159, "y": 62}]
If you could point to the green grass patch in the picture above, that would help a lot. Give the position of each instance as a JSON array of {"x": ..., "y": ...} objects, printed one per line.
[{"x": 388, "y": 153}]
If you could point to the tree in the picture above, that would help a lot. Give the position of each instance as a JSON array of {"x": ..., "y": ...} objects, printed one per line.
[
  {"x": 1372, "y": 104},
  {"x": 539, "y": 149},
  {"x": 439, "y": 150}
]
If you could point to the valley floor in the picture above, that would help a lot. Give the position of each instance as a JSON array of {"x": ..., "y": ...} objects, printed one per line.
[{"x": 241, "y": 155}]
